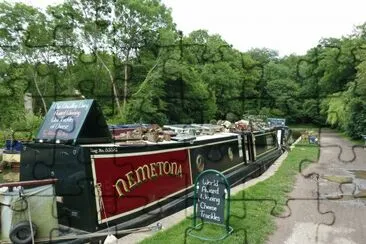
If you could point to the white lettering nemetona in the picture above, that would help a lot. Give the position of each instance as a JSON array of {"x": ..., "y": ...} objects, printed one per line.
[{"x": 145, "y": 173}]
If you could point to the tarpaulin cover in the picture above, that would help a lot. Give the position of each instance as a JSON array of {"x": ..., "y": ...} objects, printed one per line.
[{"x": 40, "y": 201}]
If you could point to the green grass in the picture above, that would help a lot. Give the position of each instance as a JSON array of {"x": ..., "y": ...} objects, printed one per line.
[
  {"x": 308, "y": 127},
  {"x": 356, "y": 142},
  {"x": 303, "y": 126},
  {"x": 253, "y": 210}
]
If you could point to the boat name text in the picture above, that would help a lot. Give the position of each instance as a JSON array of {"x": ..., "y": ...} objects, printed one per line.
[{"x": 145, "y": 173}]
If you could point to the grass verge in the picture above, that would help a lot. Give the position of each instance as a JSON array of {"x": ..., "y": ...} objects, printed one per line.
[
  {"x": 303, "y": 126},
  {"x": 253, "y": 210},
  {"x": 356, "y": 142}
]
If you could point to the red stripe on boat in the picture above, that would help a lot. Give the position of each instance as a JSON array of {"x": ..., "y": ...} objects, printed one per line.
[{"x": 132, "y": 182}]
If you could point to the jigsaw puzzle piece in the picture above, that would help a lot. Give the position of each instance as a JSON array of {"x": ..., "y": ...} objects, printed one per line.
[{"x": 331, "y": 188}]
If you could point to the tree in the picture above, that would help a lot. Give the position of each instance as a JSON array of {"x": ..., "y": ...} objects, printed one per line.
[
  {"x": 120, "y": 28},
  {"x": 23, "y": 27},
  {"x": 173, "y": 91}
]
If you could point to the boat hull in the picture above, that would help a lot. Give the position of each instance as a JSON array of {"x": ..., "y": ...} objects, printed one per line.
[{"x": 117, "y": 183}]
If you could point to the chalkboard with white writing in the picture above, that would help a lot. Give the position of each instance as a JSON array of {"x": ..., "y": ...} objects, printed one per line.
[
  {"x": 211, "y": 198},
  {"x": 211, "y": 190},
  {"x": 74, "y": 121}
]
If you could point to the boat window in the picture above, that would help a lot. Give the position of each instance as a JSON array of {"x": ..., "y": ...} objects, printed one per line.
[
  {"x": 270, "y": 141},
  {"x": 265, "y": 143}
]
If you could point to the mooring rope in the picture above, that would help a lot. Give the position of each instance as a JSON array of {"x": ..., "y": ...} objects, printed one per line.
[
  {"x": 30, "y": 223},
  {"x": 101, "y": 204}
]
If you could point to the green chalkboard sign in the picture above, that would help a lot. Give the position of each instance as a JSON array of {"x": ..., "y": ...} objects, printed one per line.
[
  {"x": 78, "y": 121},
  {"x": 211, "y": 189},
  {"x": 211, "y": 198}
]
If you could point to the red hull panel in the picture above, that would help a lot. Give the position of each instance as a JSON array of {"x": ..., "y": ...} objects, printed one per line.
[{"x": 129, "y": 183}]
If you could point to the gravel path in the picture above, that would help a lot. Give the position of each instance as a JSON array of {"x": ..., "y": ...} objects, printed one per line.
[{"x": 330, "y": 206}]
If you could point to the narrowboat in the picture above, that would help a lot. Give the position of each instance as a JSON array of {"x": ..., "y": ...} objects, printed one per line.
[{"x": 109, "y": 176}]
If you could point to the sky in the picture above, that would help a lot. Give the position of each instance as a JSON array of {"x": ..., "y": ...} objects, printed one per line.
[{"x": 287, "y": 26}]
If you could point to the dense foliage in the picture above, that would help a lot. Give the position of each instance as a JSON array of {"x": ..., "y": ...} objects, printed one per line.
[{"x": 129, "y": 56}]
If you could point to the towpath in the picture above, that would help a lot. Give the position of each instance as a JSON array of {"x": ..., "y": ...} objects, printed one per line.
[
  {"x": 181, "y": 215},
  {"x": 330, "y": 206}
]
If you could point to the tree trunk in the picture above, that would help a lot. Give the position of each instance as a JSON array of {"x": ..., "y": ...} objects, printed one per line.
[
  {"x": 39, "y": 92},
  {"x": 127, "y": 55},
  {"x": 115, "y": 92},
  {"x": 28, "y": 103},
  {"x": 125, "y": 87}
]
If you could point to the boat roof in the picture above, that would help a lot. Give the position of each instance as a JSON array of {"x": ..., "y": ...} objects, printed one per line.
[{"x": 179, "y": 139}]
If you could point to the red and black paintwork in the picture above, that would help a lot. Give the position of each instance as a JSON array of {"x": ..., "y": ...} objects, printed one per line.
[
  {"x": 79, "y": 169},
  {"x": 131, "y": 185}
]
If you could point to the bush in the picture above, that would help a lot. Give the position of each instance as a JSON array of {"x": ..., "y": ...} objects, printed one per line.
[
  {"x": 26, "y": 127},
  {"x": 356, "y": 122}
]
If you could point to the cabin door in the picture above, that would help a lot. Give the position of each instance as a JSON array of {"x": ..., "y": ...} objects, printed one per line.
[{"x": 249, "y": 148}]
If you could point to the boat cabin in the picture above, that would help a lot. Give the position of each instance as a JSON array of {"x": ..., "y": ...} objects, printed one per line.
[{"x": 119, "y": 176}]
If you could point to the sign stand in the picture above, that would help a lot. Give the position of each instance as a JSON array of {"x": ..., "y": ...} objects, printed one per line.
[{"x": 210, "y": 190}]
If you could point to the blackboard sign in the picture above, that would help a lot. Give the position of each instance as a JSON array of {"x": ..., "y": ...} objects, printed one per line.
[
  {"x": 69, "y": 121},
  {"x": 211, "y": 190},
  {"x": 211, "y": 198}
]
